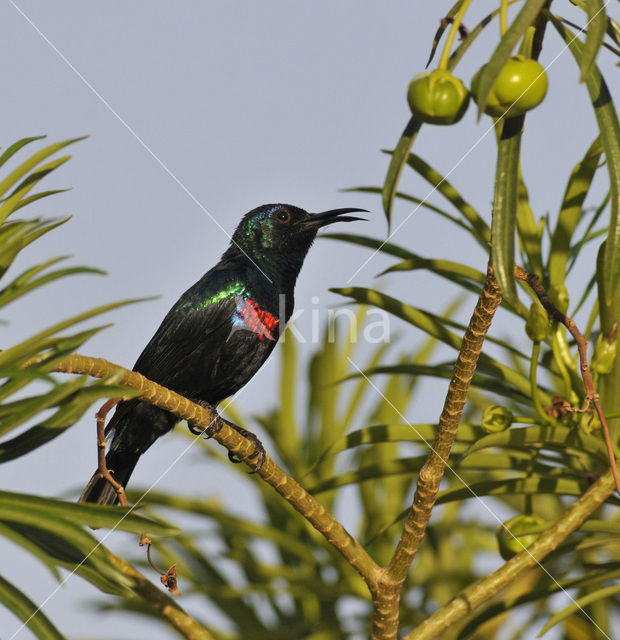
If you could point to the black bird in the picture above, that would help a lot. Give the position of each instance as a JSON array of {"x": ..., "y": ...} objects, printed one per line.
[{"x": 220, "y": 332}]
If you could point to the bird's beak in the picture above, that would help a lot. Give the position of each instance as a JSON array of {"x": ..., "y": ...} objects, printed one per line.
[{"x": 318, "y": 220}]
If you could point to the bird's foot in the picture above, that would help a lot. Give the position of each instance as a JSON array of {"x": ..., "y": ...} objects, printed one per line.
[
  {"x": 213, "y": 428},
  {"x": 259, "y": 450}
]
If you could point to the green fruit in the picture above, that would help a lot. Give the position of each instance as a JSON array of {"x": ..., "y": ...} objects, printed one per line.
[
  {"x": 520, "y": 86},
  {"x": 437, "y": 97},
  {"x": 513, "y": 541},
  {"x": 496, "y": 418},
  {"x": 537, "y": 325},
  {"x": 604, "y": 355}
]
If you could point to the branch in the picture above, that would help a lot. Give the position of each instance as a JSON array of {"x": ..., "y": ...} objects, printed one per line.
[
  {"x": 243, "y": 449},
  {"x": 487, "y": 587},
  {"x": 387, "y": 599},
  {"x": 592, "y": 396},
  {"x": 481, "y": 591}
]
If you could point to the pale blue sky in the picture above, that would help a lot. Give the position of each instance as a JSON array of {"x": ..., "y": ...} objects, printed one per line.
[{"x": 218, "y": 107}]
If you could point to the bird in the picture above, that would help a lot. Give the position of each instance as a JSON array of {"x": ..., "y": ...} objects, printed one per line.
[{"x": 219, "y": 333}]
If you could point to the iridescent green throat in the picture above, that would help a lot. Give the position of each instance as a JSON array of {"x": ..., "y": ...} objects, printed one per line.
[{"x": 233, "y": 289}]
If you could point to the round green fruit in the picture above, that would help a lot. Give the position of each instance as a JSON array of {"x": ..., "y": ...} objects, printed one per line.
[
  {"x": 514, "y": 541},
  {"x": 437, "y": 97},
  {"x": 520, "y": 86},
  {"x": 496, "y": 418}
]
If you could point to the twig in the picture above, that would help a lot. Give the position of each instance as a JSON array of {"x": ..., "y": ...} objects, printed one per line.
[
  {"x": 168, "y": 578},
  {"x": 592, "y": 396},
  {"x": 387, "y": 599},
  {"x": 243, "y": 449},
  {"x": 102, "y": 466}
]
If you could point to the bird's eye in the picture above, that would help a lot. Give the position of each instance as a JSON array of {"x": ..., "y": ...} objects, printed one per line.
[{"x": 283, "y": 215}]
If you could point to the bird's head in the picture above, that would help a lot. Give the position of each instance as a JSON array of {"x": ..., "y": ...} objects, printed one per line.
[{"x": 282, "y": 230}]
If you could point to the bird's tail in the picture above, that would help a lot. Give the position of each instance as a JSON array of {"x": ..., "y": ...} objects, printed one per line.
[{"x": 136, "y": 425}]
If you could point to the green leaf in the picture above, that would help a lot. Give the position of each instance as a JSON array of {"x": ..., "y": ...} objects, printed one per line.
[
  {"x": 459, "y": 52},
  {"x": 16, "y": 235},
  {"x": 22, "y": 541},
  {"x": 16, "y": 146},
  {"x": 80, "y": 513},
  {"x": 441, "y": 184},
  {"x": 373, "y": 243},
  {"x": 399, "y": 158},
  {"x": 505, "y": 208},
  {"x": 432, "y": 326},
  {"x": 529, "y": 233},
  {"x": 27, "y": 282},
  {"x": 11, "y": 203},
  {"x": 13, "y": 414},
  {"x": 597, "y": 26},
  {"x": 533, "y": 485},
  {"x": 544, "y": 591},
  {"x": 397, "y": 433},
  {"x": 493, "y": 384},
  {"x": 66, "y": 416},
  {"x": 386, "y": 468},
  {"x": 609, "y": 128},
  {"x": 417, "y": 201},
  {"x": 32, "y": 162},
  {"x": 443, "y": 25},
  {"x": 28, "y": 612},
  {"x": 556, "y": 438},
  {"x": 571, "y": 211},
  {"x": 30, "y": 347},
  {"x": 37, "y": 196},
  {"x": 515, "y": 32},
  {"x": 579, "y": 604},
  {"x": 233, "y": 524},
  {"x": 457, "y": 272}
]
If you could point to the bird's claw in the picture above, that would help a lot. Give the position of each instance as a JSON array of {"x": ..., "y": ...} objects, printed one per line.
[
  {"x": 209, "y": 432},
  {"x": 213, "y": 428},
  {"x": 259, "y": 451}
]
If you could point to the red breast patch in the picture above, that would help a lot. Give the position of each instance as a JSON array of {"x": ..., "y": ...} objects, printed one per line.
[{"x": 259, "y": 322}]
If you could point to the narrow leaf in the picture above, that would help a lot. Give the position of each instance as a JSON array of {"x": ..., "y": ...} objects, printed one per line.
[
  {"x": 399, "y": 158},
  {"x": 28, "y": 612},
  {"x": 597, "y": 26},
  {"x": 32, "y": 162},
  {"x": 571, "y": 211},
  {"x": 16, "y": 146},
  {"x": 441, "y": 184},
  {"x": 578, "y": 605},
  {"x": 505, "y": 208}
]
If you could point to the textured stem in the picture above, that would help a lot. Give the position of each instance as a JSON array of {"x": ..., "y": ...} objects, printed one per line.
[
  {"x": 592, "y": 396},
  {"x": 481, "y": 591},
  {"x": 243, "y": 449},
  {"x": 387, "y": 596}
]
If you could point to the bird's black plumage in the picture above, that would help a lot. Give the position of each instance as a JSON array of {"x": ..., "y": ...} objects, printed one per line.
[{"x": 220, "y": 332}]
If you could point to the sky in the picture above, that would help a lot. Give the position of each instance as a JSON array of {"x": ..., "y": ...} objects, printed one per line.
[{"x": 198, "y": 113}]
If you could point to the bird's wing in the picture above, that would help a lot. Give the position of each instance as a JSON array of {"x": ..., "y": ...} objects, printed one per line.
[{"x": 202, "y": 312}]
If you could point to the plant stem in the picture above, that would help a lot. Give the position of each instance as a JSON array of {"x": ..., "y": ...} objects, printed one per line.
[
  {"x": 544, "y": 418},
  {"x": 387, "y": 598},
  {"x": 483, "y": 590},
  {"x": 591, "y": 397},
  {"x": 503, "y": 18},
  {"x": 445, "y": 54},
  {"x": 243, "y": 449}
]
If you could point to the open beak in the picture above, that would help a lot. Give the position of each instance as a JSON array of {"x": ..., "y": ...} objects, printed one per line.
[{"x": 318, "y": 220}]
